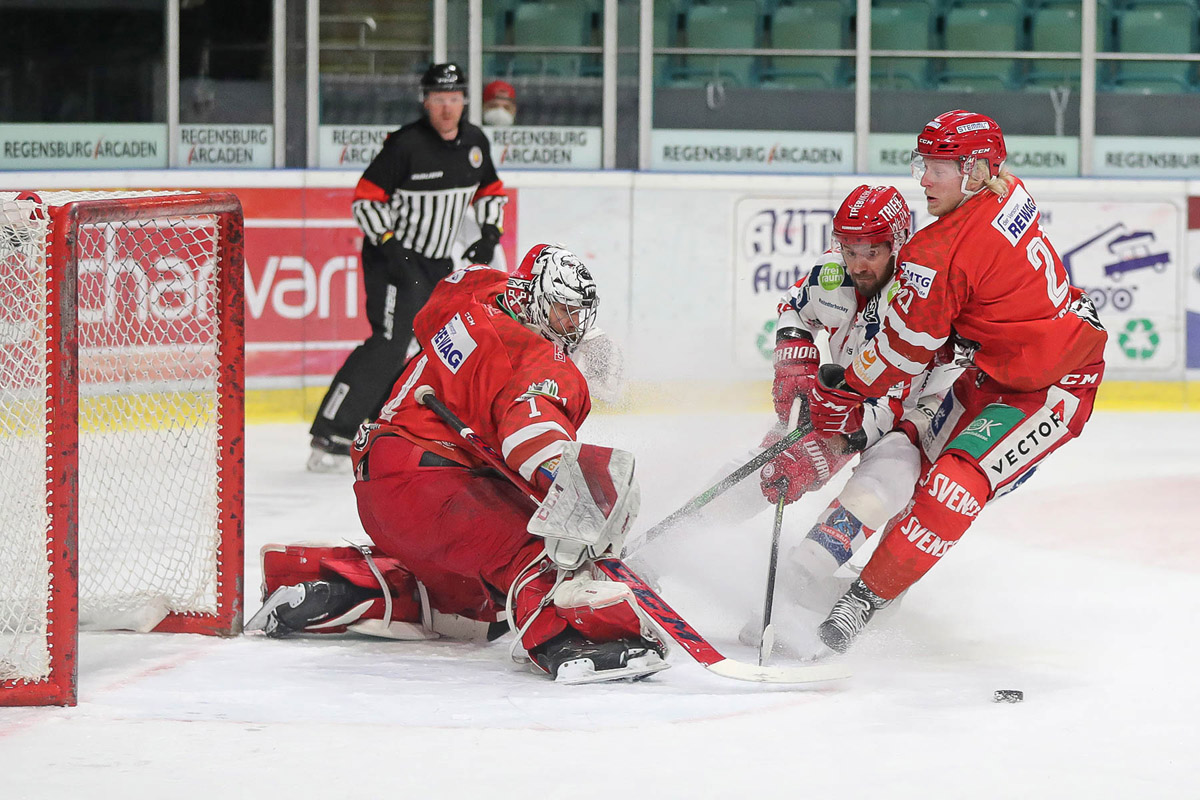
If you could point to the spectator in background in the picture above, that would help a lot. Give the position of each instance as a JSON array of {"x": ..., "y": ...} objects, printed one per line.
[{"x": 499, "y": 104}]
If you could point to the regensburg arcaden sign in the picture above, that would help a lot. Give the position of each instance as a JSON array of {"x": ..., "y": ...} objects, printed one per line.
[
  {"x": 800, "y": 152},
  {"x": 515, "y": 147},
  {"x": 91, "y": 146}
]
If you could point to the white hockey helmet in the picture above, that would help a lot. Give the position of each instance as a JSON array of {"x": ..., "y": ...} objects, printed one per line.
[{"x": 554, "y": 293}]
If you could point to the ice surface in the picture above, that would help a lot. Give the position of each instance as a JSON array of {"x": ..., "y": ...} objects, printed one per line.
[{"x": 1079, "y": 589}]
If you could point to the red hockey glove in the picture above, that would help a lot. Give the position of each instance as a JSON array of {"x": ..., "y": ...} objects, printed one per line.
[
  {"x": 835, "y": 410},
  {"x": 796, "y": 362},
  {"x": 808, "y": 465}
]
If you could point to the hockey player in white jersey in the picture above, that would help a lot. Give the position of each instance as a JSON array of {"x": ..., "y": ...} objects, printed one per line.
[{"x": 846, "y": 295}]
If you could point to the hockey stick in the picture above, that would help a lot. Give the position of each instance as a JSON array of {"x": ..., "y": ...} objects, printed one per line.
[
  {"x": 663, "y": 615},
  {"x": 854, "y": 443},
  {"x": 719, "y": 488},
  {"x": 766, "y": 641}
]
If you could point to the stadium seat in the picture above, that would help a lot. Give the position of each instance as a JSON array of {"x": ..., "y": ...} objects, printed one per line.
[
  {"x": 901, "y": 25},
  {"x": 809, "y": 25},
  {"x": 723, "y": 24},
  {"x": 550, "y": 23},
  {"x": 1156, "y": 28},
  {"x": 1056, "y": 26},
  {"x": 981, "y": 27}
]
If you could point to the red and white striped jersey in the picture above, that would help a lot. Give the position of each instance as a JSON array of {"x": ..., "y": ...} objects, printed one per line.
[
  {"x": 987, "y": 274},
  {"x": 826, "y": 300},
  {"x": 518, "y": 391}
]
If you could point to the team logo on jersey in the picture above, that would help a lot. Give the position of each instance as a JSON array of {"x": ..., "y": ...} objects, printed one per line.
[
  {"x": 453, "y": 344},
  {"x": 475, "y": 156},
  {"x": 919, "y": 277},
  {"x": 1017, "y": 214},
  {"x": 831, "y": 276},
  {"x": 546, "y": 388}
]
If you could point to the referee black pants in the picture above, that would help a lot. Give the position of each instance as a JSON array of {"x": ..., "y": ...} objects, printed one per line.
[{"x": 397, "y": 284}]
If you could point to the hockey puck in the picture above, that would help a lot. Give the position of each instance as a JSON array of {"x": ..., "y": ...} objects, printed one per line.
[{"x": 1007, "y": 696}]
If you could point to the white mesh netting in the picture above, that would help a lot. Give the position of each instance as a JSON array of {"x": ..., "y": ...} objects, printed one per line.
[{"x": 149, "y": 531}]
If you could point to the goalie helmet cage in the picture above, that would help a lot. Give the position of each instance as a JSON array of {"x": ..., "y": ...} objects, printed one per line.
[{"x": 121, "y": 424}]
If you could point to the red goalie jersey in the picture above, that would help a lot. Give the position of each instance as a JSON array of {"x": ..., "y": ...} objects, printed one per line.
[
  {"x": 987, "y": 273},
  {"x": 514, "y": 388}
]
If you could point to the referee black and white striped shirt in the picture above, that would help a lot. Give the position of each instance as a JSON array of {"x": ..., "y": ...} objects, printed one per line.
[{"x": 419, "y": 187}]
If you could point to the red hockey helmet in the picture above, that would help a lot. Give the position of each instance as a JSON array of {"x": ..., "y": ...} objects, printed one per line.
[
  {"x": 871, "y": 215},
  {"x": 963, "y": 136},
  {"x": 554, "y": 293}
]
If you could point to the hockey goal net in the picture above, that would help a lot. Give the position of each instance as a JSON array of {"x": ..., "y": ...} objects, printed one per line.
[{"x": 120, "y": 424}]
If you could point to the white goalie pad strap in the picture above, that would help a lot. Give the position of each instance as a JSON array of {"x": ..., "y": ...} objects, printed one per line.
[{"x": 591, "y": 504}]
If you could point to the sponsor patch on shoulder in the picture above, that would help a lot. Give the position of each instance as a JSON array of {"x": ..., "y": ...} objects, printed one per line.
[
  {"x": 831, "y": 275},
  {"x": 1016, "y": 215},
  {"x": 919, "y": 277},
  {"x": 453, "y": 344}
]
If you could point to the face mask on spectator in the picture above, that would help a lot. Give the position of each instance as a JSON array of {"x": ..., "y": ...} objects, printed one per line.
[{"x": 498, "y": 116}]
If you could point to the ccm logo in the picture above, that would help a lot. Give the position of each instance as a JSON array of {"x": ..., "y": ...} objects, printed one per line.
[{"x": 1080, "y": 379}]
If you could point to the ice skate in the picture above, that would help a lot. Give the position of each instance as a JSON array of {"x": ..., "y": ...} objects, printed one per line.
[
  {"x": 311, "y": 604},
  {"x": 571, "y": 659},
  {"x": 329, "y": 454},
  {"x": 849, "y": 616}
]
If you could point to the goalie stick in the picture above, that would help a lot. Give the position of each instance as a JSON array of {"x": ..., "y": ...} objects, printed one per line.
[{"x": 665, "y": 617}]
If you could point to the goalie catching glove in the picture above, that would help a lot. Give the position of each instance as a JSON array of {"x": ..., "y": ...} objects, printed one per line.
[{"x": 589, "y": 507}]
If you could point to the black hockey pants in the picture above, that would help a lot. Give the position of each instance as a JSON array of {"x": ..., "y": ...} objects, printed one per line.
[{"x": 397, "y": 283}]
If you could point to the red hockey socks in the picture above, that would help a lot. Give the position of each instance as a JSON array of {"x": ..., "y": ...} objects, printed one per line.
[{"x": 945, "y": 504}]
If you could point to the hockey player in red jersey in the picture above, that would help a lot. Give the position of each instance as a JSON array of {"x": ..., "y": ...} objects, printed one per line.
[
  {"x": 983, "y": 276},
  {"x": 457, "y": 542}
]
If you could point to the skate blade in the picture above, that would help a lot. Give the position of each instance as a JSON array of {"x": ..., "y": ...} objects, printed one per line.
[
  {"x": 262, "y": 619},
  {"x": 581, "y": 670},
  {"x": 329, "y": 463}
]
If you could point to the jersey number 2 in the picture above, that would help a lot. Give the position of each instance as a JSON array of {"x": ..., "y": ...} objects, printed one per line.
[{"x": 1040, "y": 256}]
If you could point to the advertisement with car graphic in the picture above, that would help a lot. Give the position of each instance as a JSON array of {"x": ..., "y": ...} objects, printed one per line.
[{"x": 1128, "y": 257}]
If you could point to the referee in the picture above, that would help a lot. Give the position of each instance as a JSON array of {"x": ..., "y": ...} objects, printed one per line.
[{"x": 409, "y": 204}]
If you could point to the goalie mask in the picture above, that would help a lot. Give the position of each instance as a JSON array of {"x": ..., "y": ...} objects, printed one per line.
[
  {"x": 553, "y": 293},
  {"x": 873, "y": 215},
  {"x": 966, "y": 137}
]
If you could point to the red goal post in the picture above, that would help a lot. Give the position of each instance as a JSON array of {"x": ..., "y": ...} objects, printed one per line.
[{"x": 121, "y": 424}]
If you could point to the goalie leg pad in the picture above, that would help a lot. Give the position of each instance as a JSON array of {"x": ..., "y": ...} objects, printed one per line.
[
  {"x": 290, "y": 577},
  {"x": 600, "y": 610}
]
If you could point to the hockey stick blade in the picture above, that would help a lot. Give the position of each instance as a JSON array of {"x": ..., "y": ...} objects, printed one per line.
[{"x": 698, "y": 647}]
